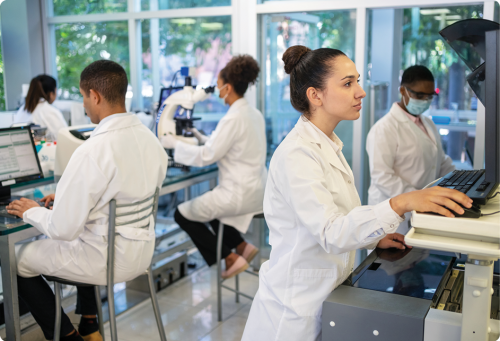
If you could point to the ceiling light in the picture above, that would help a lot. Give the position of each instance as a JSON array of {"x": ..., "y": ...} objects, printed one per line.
[
  {"x": 183, "y": 21},
  {"x": 212, "y": 26},
  {"x": 434, "y": 11}
]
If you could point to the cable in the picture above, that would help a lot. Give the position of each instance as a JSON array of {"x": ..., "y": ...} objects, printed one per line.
[
  {"x": 482, "y": 215},
  {"x": 494, "y": 195}
]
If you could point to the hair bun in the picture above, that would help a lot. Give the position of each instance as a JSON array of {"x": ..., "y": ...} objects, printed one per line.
[{"x": 292, "y": 57}]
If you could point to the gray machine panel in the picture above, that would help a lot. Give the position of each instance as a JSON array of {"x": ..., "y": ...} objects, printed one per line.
[{"x": 360, "y": 314}]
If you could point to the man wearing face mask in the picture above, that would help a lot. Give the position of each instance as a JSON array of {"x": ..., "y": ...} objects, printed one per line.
[
  {"x": 238, "y": 146},
  {"x": 404, "y": 147}
]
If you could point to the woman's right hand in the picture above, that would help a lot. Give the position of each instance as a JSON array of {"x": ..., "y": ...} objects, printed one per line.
[
  {"x": 48, "y": 199},
  {"x": 435, "y": 199}
]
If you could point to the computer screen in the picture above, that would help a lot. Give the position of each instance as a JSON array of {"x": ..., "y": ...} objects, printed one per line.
[{"x": 18, "y": 158}]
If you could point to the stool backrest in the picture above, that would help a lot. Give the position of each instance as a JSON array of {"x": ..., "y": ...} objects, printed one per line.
[{"x": 149, "y": 210}]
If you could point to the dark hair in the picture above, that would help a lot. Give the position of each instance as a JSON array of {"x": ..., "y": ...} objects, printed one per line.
[
  {"x": 40, "y": 87},
  {"x": 107, "y": 78},
  {"x": 416, "y": 73},
  {"x": 307, "y": 68},
  {"x": 239, "y": 72}
]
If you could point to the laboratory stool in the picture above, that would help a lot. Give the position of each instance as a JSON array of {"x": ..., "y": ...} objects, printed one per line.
[
  {"x": 257, "y": 231},
  {"x": 153, "y": 207}
]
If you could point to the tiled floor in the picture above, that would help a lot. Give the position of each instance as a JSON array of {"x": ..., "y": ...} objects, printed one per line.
[{"x": 189, "y": 311}]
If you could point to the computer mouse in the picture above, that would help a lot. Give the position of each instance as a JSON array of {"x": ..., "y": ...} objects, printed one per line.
[{"x": 473, "y": 212}]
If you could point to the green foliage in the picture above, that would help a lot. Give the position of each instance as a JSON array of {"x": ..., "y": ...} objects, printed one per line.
[
  {"x": 423, "y": 45},
  {"x": 338, "y": 31},
  {"x": 184, "y": 39},
  {"x": 67, "y": 7},
  {"x": 79, "y": 44}
]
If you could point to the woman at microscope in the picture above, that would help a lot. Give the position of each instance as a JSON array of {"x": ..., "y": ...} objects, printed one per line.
[
  {"x": 38, "y": 108},
  {"x": 238, "y": 146}
]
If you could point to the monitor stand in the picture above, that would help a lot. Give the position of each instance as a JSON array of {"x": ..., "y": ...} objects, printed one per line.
[{"x": 6, "y": 197}]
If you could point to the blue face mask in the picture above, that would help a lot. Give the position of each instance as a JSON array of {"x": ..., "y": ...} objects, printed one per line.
[
  {"x": 217, "y": 92},
  {"x": 417, "y": 107}
]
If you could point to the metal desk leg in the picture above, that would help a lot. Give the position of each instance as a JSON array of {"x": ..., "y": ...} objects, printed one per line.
[
  {"x": 9, "y": 281},
  {"x": 187, "y": 193}
]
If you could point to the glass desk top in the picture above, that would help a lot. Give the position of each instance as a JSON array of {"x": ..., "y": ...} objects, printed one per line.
[
  {"x": 414, "y": 272},
  {"x": 174, "y": 175}
]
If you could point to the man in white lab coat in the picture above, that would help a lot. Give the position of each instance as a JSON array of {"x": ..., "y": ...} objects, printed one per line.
[
  {"x": 122, "y": 160},
  {"x": 404, "y": 147}
]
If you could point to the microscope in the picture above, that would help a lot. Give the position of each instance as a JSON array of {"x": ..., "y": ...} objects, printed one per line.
[{"x": 175, "y": 115}]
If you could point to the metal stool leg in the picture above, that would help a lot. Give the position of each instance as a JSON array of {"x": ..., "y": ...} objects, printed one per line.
[
  {"x": 219, "y": 272},
  {"x": 57, "y": 324},
  {"x": 257, "y": 231},
  {"x": 237, "y": 287},
  {"x": 111, "y": 309},
  {"x": 100, "y": 318},
  {"x": 154, "y": 301}
]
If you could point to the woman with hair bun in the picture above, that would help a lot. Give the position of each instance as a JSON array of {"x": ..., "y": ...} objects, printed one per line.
[
  {"x": 238, "y": 145},
  {"x": 38, "y": 107},
  {"x": 315, "y": 218}
]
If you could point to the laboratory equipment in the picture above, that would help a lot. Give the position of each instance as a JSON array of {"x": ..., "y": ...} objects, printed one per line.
[
  {"x": 175, "y": 115},
  {"x": 19, "y": 161},
  {"x": 69, "y": 138},
  {"x": 476, "y": 41}
]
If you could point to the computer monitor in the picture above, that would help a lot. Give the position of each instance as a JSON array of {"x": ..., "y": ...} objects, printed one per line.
[
  {"x": 18, "y": 160},
  {"x": 476, "y": 41}
]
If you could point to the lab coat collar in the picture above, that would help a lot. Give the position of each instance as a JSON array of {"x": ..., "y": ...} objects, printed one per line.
[
  {"x": 237, "y": 105},
  {"x": 115, "y": 122},
  {"x": 310, "y": 133},
  {"x": 399, "y": 114}
]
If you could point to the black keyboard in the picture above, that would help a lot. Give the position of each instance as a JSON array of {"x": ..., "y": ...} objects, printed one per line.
[{"x": 470, "y": 182}]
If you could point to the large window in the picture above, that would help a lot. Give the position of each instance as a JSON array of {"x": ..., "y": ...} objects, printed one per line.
[
  {"x": 454, "y": 110},
  {"x": 202, "y": 43},
  {"x": 79, "y": 44},
  {"x": 413, "y": 34},
  {"x": 2, "y": 88},
  {"x": 334, "y": 29},
  {"x": 68, "y": 7}
]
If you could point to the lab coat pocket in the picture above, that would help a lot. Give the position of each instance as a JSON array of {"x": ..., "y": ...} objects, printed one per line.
[{"x": 310, "y": 288}]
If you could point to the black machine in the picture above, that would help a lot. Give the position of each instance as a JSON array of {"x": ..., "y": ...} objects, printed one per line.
[{"x": 476, "y": 41}]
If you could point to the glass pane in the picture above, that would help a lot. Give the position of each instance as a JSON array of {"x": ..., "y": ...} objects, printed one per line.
[
  {"x": 202, "y": 43},
  {"x": 79, "y": 44},
  {"x": 497, "y": 12},
  {"x": 2, "y": 87},
  {"x": 149, "y": 5},
  {"x": 333, "y": 29},
  {"x": 69, "y": 7},
  {"x": 454, "y": 110}
]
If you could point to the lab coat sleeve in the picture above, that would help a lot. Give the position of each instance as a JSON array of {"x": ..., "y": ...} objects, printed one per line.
[
  {"x": 54, "y": 120},
  {"x": 214, "y": 149},
  {"x": 304, "y": 182},
  {"x": 381, "y": 146},
  {"x": 78, "y": 191}
]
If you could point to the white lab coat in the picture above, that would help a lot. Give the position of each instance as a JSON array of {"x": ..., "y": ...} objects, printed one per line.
[
  {"x": 315, "y": 224},
  {"x": 238, "y": 145},
  {"x": 44, "y": 115},
  {"x": 121, "y": 160},
  {"x": 403, "y": 158}
]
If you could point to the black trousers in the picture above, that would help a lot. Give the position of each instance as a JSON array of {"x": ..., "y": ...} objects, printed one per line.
[
  {"x": 206, "y": 241},
  {"x": 36, "y": 294}
]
